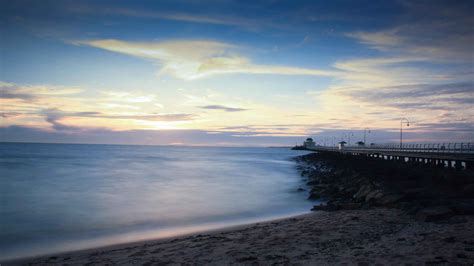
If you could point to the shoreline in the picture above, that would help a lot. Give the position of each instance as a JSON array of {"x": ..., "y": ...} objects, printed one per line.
[
  {"x": 189, "y": 231},
  {"x": 379, "y": 235}
]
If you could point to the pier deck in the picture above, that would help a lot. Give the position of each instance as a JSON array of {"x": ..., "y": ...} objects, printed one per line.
[{"x": 458, "y": 155}]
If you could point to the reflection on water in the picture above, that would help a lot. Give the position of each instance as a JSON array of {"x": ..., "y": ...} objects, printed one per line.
[{"x": 59, "y": 197}]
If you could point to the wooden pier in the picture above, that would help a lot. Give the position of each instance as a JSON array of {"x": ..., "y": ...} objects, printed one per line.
[{"x": 456, "y": 155}]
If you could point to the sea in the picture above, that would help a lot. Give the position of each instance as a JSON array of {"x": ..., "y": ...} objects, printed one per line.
[{"x": 65, "y": 197}]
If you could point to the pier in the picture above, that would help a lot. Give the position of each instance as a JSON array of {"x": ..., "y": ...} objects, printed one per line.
[{"x": 453, "y": 155}]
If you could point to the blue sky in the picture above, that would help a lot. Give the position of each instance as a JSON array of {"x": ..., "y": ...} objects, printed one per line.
[{"x": 235, "y": 72}]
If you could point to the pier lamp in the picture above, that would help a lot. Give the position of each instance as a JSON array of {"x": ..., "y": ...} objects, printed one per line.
[
  {"x": 403, "y": 121},
  {"x": 349, "y": 138},
  {"x": 366, "y": 130}
]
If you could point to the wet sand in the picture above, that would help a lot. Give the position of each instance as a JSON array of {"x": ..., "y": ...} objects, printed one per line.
[{"x": 380, "y": 235}]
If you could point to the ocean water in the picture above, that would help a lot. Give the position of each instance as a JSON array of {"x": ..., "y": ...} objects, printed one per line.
[{"x": 61, "y": 197}]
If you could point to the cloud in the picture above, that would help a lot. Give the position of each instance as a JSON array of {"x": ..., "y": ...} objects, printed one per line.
[
  {"x": 63, "y": 108},
  {"x": 223, "y": 108},
  {"x": 189, "y": 59},
  {"x": 433, "y": 30},
  {"x": 29, "y": 93},
  {"x": 422, "y": 70},
  {"x": 54, "y": 117}
]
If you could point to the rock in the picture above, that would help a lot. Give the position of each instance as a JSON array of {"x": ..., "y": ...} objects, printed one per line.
[
  {"x": 464, "y": 207},
  {"x": 339, "y": 172},
  {"x": 390, "y": 200},
  {"x": 450, "y": 239},
  {"x": 327, "y": 207},
  {"x": 415, "y": 193},
  {"x": 433, "y": 214},
  {"x": 301, "y": 189},
  {"x": 468, "y": 190},
  {"x": 374, "y": 195},
  {"x": 314, "y": 195},
  {"x": 362, "y": 193},
  {"x": 349, "y": 206}
]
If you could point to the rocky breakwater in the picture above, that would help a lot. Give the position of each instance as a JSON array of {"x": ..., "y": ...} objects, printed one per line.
[{"x": 347, "y": 182}]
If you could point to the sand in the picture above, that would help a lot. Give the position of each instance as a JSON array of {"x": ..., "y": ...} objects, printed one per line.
[{"x": 356, "y": 237}]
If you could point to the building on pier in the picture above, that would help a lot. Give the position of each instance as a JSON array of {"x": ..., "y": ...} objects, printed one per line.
[{"x": 309, "y": 143}]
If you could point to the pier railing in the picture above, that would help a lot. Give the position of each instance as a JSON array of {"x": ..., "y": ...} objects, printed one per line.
[{"x": 455, "y": 147}]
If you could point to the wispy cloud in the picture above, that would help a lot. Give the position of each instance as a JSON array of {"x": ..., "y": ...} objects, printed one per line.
[
  {"x": 54, "y": 117},
  {"x": 423, "y": 70},
  {"x": 438, "y": 32},
  {"x": 65, "y": 108},
  {"x": 223, "y": 108},
  {"x": 14, "y": 91},
  {"x": 190, "y": 59}
]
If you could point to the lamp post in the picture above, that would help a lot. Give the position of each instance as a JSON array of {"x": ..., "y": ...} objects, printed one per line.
[
  {"x": 367, "y": 130},
  {"x": 403, "y": 121},
  {"x": 349, "y": 138}
]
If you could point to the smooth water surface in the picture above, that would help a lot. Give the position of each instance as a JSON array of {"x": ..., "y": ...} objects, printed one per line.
[{"x": 57, "y": 197}]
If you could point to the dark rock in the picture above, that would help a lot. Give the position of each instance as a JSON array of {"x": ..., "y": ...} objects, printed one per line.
[
  {"x": 463, "y": 207},
  {"x": 433, "y": 214},
  {"x": 314, "y": 195},
  {"x": 248, "y": 258},
  {"x": 415, "y": 192},
  {"x": 362, "y": 193},
  {"x": 468, "y": 190},
  {"x": 390, "y": 200},
  {"x": 327, "y": 207},
  {"x": 450, "y": 239},
  {"x": 374, "y": 195},
  {"x": 349, "y": 206},
  {"x": 339, "y": 172}
]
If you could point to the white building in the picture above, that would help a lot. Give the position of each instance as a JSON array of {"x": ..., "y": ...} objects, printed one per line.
[{"x": 309, "y": 143}]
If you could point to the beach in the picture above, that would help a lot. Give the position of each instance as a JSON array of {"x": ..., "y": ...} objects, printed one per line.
[{"x": 353, "y": 237}]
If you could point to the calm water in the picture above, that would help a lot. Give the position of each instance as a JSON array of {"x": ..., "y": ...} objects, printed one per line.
[{"x": 57, "y": 197}]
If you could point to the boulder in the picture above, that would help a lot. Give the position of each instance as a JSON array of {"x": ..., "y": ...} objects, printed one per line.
[
  {"x": 463, "y": 207},
  {"x": 390, "y": 200},
  {"x": 468, "y": 190},
  {"x": 432, "y": 214},
  {"x": 338, "y": 172},
  {"x": 415, "y": 193},
  {"x": 314, "y": 195},
  {"x": 327, "y": 207},
  {"x": 374, "y": 195},
  {"x": 362, "y": 193},
  {"x": 349, "y": 206}
]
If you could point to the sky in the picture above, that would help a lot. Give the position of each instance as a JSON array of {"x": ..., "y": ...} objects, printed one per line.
[{"x": 236, "y": 73}]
